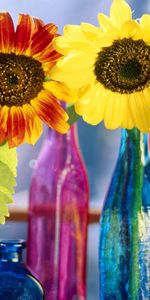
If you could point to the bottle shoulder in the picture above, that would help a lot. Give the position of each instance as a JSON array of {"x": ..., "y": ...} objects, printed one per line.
[{"x": 17, "y": 281}]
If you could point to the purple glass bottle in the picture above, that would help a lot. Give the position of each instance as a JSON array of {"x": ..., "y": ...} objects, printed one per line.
[{"x": 58, "y": 213}]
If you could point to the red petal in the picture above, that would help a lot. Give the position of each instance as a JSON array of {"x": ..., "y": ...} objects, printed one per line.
[
  {"x": 33, "y": 125},
  {"x": 2, "y": 135},
  {"x": 6, "y": 33},
  {"x": 49, "y": 55},
  {"x": 16, "y": 126},
  {"x": 24, "y": 32},
  {"x": 38, "y": 24},
  {"x": 3, "y": 117},
  {"x": 42, "y": 38},
  {"x": 3, "y": 123},
  {"x": 51, "y": 28},
  {"x": 49, "y": 110}
]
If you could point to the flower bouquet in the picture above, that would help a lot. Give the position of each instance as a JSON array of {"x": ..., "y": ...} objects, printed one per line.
[{"x": 104, "y": 74}]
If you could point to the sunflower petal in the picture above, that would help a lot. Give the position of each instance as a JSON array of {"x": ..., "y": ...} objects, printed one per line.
[
  {"x": 116, "y": 109},
  {"x": 68, "y": 63},
  {"x": 63, "y": 45},
  {"x": 120, "y": 12},
  {"x": 49, "y": 111},
  {"x": 38, "y": 24},
  {"x": 33, "y": 125},
  {"x": 145, "y": 21},
  {"x": 42, "y": 38},
  {"x": 23, "y": 33},
  {"x": 3, "y": 117},
  {"x": 2, "y": 135},
  {"x": 15, "y": 127},
  {"x": 92, "y": 114},
  {"x": 145, "y": 29},
  {"x": 73, "y": 32},
  {"x": 129, "y": 29},
  {"x": 3, "y": 121},
  {"x": 61, "y": 91},
  {"x": 92, "y": 32},
  {"x": 72, "y": 79},
  {"x": 6, "y": 33},
  {"x": 105, "y": 22},
  {"x": 48, "y": 58},
  {"x": 140, "y": 112}
]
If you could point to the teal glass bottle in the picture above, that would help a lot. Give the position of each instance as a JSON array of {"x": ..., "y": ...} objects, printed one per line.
[
  {"x": 16, "y": 281},
  {"x": 124, "y": 253}
]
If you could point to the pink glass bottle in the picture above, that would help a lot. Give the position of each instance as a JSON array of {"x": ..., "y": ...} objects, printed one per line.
[{"x": 58, "y": 213}]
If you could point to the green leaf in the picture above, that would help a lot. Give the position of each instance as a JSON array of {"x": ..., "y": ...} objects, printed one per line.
[
  {"x": 73, "y": 117},
  {"x": 8, "y": 164}
]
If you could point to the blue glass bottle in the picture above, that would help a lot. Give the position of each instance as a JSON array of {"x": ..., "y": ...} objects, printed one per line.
[
  {"x": 124, "y": 256},
  {"x": 16, "y": 281}
]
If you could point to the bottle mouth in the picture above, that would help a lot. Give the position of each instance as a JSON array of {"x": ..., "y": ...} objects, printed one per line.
[{"x": 18, "y": 243}]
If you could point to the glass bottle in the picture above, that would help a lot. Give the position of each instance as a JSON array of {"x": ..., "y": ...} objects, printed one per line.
[
  {"x": 58, "y": 213},
  {"x": 16, "y": 281},
  {"x": 125, "y": 225}
]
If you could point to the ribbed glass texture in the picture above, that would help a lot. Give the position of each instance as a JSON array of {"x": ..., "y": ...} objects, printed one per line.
[
  {"x": 124, "y": 253},
  {"x": 58, "y": 213},
  {"x": 16, "y": 281}
]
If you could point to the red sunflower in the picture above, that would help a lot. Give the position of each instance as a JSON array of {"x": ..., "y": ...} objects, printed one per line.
[{"x": 26, "y": 99}]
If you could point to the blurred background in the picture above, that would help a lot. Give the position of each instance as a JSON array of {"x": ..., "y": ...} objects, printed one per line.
[{"x": 99, "y": 146}]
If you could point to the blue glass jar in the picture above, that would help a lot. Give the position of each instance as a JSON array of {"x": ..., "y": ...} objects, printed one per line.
[
  {"x": 16, "y": 281},
  {"x": 124, "y": 256}
]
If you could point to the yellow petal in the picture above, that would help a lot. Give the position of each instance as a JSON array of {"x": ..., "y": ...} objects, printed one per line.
[
  {"x": 76, "y": 61},
  {"x": 145, "y": 21},
  {"x": 91, "y": 106},
  {"x": 92, "y": 32},
  {"x": 127, "y": 118},
  {"x": 145, "y": 29},
  {"x": 72, "y": 79},
  {"x": 73, "y": 35},
  {"x": 146, "y": 93},
  {"x": 129, "y": 29},
  {"x": 112, "y": 116},
  {"x": 60, "y": 91},
  {"x": 120, "y": 12},
  {"x": 73, "y": 32},
  {"x": 64, "y": 45},
  {"x": 105, "y": 22},
  {"x": 140, "y": 112}
]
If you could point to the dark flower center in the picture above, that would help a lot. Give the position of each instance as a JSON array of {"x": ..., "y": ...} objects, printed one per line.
[
  {"x": 124, "y": 67},
  {"x": 21, "y": 79},
  {"x": 131, "y": 70},
  {"x": 12, "y": 79}
]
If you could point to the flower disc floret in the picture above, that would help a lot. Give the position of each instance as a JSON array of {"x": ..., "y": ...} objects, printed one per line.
[
  {"x": 21, "y": 79},
  {"x": 124, "y": 67}
]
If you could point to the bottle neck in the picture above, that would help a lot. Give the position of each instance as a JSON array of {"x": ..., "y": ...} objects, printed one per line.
[
  {"x": 71, "y": 136},
  {"x": 134, "y": 144},
  {"x": 11, "y": 250}
]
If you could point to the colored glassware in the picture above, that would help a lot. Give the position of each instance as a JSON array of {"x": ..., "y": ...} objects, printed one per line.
[
  {"x": 16, "y": 281},
  {"x": 58, "y": 212},
  {"x": 125, "y": 224}
]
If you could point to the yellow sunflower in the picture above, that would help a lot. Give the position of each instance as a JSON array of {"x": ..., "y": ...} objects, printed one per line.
[
  {"x": 109, "y": 66},
  {"x": 26, "y": 99}
]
